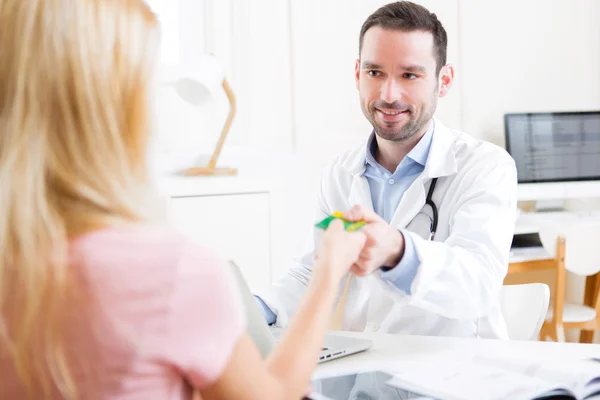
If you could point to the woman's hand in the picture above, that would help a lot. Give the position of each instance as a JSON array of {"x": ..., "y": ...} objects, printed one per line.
[{"x": 339, "y": 250}]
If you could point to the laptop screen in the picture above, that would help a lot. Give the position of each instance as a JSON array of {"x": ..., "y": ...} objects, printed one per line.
[{"x": 257, "y": 327}]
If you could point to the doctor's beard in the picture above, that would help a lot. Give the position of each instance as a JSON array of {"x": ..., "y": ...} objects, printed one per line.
[{"x": 400, "y": 133}]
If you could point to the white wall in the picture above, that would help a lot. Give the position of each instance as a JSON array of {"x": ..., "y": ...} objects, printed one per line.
[
  {"x": 526, "y": 55},
  {"x": 260, "y": 68}
]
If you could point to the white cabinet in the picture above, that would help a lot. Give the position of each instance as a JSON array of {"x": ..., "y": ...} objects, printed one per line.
[{"x": 231, "y": 215}]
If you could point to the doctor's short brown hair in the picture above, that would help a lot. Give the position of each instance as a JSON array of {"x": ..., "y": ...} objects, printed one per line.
[{"x": 407, "y": 16}]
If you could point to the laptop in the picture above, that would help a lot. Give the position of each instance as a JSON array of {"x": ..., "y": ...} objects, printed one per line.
[{"x": 265, "y": 337}]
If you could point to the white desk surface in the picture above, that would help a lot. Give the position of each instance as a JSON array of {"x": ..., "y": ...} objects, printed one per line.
[
  {"x": 179, "y": 186},
  {"x": 393, "y": 352},
  {"x": 529, "y": 222},
  {"x": 525, "y": 254}
]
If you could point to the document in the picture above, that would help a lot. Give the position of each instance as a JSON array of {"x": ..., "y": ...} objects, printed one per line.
[{"x": 480, "y": 378}]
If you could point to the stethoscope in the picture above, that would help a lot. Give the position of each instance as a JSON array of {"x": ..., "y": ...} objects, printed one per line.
[{"x": 434, "y": 210}]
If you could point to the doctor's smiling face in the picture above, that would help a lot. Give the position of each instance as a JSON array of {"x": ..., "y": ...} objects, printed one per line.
[{"x": 402, "y": 72}]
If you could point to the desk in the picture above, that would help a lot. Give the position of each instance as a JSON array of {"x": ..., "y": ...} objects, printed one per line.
[
  {"x": 522, "y": 264},
  {"x": 390, "y": 351},
  {"x": 537, "y": 259}
]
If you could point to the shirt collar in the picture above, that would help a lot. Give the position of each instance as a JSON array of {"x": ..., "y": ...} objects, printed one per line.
[{"x": 419, "y": 153}]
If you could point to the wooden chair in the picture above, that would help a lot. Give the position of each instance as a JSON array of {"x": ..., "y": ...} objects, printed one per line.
[{"x": 576, "y": 248}]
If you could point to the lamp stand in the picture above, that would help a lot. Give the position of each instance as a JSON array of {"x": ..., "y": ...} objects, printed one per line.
[{"x": 211, "y": 169}]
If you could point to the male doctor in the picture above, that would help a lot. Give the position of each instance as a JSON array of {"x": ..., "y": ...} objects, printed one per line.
[{"x": 441, "y": 205}]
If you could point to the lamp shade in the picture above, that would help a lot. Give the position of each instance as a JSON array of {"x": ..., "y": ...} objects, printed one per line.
[{"x": 207, "y": 72}]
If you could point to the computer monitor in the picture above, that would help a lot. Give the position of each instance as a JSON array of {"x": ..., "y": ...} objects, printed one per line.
[{"x": 557, "y": 153}]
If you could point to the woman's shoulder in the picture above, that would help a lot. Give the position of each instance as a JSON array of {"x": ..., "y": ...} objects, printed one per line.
[{"x": 151, "y": 247}]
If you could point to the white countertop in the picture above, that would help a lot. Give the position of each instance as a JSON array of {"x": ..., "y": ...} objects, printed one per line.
[
  {"x": 529, "y": 222},
  {"x": 182, "y": 186},
  {"x": 257, "y": 172}
]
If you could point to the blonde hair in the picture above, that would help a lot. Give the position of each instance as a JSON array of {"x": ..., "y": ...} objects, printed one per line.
[{"x": 74, "y": 82}]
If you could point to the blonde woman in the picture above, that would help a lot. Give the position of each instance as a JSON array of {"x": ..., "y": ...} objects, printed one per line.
[{"x": 96, "y": 302}]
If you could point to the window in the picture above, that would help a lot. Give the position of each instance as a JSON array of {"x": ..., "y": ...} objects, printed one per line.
[{"x": 168, "y": 15}]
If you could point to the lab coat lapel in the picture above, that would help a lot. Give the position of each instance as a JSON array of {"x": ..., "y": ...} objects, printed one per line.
[
  {"x": 441, "y": 161},
  {"x": 360, "y": 192},
  {"x": 410, "y": 205}
]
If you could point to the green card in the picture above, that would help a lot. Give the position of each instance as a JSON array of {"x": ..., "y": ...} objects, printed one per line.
[{"x": 348, "y": 225}]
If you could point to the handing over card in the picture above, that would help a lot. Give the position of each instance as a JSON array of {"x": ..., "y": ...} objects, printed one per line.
[{"x": 349, "y": 226}]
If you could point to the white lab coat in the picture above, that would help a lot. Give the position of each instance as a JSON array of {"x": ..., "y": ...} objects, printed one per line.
[{"x": 456, "y": 291}]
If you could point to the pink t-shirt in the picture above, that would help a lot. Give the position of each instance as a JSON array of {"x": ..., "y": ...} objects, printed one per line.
[{"x": 158, "y": 314}]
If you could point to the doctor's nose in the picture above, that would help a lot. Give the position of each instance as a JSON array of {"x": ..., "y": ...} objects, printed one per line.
[{"x": 391, "y": 91}]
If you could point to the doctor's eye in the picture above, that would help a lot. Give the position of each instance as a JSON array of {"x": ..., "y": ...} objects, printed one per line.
[
  {"x": 374, "y": 73},
  {"x": 410, "y": 76}
]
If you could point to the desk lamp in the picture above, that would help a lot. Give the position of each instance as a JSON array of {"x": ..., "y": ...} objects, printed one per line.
[{"x": 196, "y": 90}]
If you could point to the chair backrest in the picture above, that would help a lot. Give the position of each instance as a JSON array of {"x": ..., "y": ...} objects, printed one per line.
[
  {"x": 582, "y": 245},
  {"x": 524, "y": 308}
]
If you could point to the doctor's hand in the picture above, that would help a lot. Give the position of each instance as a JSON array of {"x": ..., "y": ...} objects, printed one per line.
[
  {"x": 384, "y": 245},
  {"x": 339, "y": 250}
]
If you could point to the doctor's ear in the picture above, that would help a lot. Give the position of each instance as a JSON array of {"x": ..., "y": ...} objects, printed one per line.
[
  {"x": 357, "y": 73},
  {"x": 445, "y": 79}
]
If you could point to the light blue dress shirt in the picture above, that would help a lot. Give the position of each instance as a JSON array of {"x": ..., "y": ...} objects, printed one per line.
[{"x": 387, "y": 190}]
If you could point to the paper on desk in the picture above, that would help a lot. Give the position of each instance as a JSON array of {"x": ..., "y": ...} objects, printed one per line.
[
  {"x": 469, "y": 380},
  {"x": 580, "y": 376}
]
